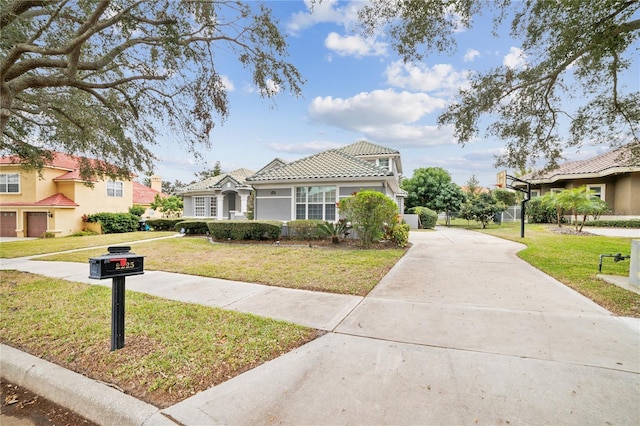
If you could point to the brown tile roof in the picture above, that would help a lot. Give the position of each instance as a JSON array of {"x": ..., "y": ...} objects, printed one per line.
[
  {"x": 334, "y": 163},
  {"x": 614, "y": 161},
  {"x": 144, "y": 195}
]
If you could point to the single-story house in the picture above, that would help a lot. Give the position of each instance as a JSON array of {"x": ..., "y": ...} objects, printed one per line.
[
  {"x": 311, "y": 187},
  {"x": 613, "y": 176},
  {"x": 219, "y": 197}
]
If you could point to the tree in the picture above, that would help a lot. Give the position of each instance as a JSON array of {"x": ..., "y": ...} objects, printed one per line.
[
  {"x": 103, "y": 79},
  {"x": 369, "y": 212},
  {"x": 581, "y": 201},
  {"x": 448, "y": 200},
  {"x": 551, "y": 200},
  {"x": 424, "y": 186},
  {"x": 508, "y": 198},
  {"x": 482, "y": 208},
  {"x": 206, "y": 174},
  {"x": 169, "y": 206},
  {"x": 473, "y": 186},
  {"x": 575, "y": 50}
]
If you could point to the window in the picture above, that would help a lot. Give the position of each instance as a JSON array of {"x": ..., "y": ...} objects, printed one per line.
[
  {"x": 535, "y": 193},
  {"x": 213, "y": 205},
  {"x": 199, "y": 209},
  {"x": 9, "y": 183},
  {"x": 597, "y": 190},
  {"x": 316, "y": 202},
  {"x": 383, "y": 163},
  {"x": 115, "y": 189}
]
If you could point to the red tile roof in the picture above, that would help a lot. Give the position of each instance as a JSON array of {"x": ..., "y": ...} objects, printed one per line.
[
  {"x": 60, "y": 161},
  {"x": 144, "y": 195},
  {"x": 56, "y": 200}
]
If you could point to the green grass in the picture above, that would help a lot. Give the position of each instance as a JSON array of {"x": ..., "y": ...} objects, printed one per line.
[
  {"x": 172, "y": 350},
  {"x": 333, "y": 270},
  {"x": 573, "y": 260},
  {"x": 51, "y": 245}
]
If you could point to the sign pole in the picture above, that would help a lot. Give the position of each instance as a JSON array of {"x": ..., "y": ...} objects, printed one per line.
[{"x": 117, "y": 313}]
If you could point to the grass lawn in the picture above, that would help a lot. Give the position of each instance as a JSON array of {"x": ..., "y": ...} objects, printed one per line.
[
  {"x": 336, "y": 270},
  {"x": 172, "y": 350},
  {"x": 573, "y": 260},
  {"x": 50, "y": 245}
]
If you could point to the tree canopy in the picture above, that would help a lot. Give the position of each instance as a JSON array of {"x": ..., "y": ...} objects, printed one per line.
[
  {"x": 103, "y": 79},
  {"x": 576, "y": 53},
  {"x": 425, "y": 186}
]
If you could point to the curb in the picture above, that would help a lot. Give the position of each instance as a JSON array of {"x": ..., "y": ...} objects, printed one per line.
[{"x": 87, "y": 397}]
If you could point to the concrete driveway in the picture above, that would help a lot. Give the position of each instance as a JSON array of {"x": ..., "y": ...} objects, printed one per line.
[{"x": 460, "y": 331}]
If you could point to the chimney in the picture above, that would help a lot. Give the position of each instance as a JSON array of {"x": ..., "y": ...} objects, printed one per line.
[{"x": 156, "y": 183}]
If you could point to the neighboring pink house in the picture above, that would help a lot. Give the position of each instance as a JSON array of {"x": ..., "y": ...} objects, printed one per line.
[{"x": 144, "y": 196}]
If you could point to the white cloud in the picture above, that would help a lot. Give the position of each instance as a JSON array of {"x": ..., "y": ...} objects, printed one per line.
[
  {"x": 354, "y": 45},
  {"x": 327, "y": 11},
  {"x": 471, "y": 55},
  {"x": 515, "y": 59},
  {"x": 227, "y": 83},
  {"x": 303, "y": 148},
  {"x": 440, "y": 77}
]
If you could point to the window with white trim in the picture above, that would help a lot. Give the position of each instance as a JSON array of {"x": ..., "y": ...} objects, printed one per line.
[
  {"x": 535, "y": 193},
  {"x": 597, "y": 190},
  {"x": 213, "y": 206},
  {"x": 9, "y": 183},
  {"x": 115, "y": 188},
  {"x": 384, "y": 163},
  {"x": 199, "y": 207},
  {"x": 316, "y": 202}
]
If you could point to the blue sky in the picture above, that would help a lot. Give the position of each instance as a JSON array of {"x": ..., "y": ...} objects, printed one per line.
[{"x": 355, "y": 89}]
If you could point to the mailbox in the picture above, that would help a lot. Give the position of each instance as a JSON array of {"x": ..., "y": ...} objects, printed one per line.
[{"x": 119, "y": 262}]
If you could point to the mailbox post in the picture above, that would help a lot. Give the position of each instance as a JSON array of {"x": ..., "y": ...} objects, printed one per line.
[{"x": 117, "y": 264}]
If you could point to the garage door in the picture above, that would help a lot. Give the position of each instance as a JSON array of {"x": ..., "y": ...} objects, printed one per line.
[
  {"x": 36, "y": 224},
  {"x": 7, "y": 224}
]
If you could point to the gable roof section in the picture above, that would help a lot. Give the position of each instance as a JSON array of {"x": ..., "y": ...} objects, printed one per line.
[
  {"x": 239, "y": 176},
  {"x": 334, "y": 163},
  {"x": 363, "y": 148},
  {"x": 144, "y": 195},
  {"x": 276, "y": 162},
  {"x": 615, "y": 161},
  {"x": 57, "y": 200}
]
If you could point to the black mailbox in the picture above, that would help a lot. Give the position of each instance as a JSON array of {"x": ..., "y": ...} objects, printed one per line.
[{"x": 118, "y": 263}]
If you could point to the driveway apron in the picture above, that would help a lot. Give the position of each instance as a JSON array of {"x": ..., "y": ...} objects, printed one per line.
[{"x": 460, "y": 331}]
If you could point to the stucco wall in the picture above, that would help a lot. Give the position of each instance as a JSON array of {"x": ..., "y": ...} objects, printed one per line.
[{"x": 273, "y": 209}]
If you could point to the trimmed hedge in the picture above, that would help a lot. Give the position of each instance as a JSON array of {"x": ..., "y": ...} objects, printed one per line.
[
  {"x": 428, "y": 217},
  {"x": 194, "y": 227},
  {"x": 305, "y": 229},
  {"x": 630, "y": 223},
  {"x": 115, "y": 223},
  {"x": 163, "y": 224},
  {"x": 537, "y": 212},
  {"x": 245, "y": 230}
]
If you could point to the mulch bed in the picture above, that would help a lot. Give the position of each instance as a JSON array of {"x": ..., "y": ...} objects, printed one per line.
[{"x": 569, "y": 230}]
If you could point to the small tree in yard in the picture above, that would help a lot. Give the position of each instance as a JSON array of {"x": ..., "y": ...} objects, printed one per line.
[
  {"x": 581, "y": 201},
  {"x": 368, "y": 212},
  {"x": 169, "y": 206},
  {"x": 552, "y": 200},
  {"x": 482, "y": 208}
]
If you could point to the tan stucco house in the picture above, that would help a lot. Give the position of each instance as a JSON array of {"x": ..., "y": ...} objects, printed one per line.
[
  {"x": 55, "y": 200},
  {"x": 613, "y": 176}
]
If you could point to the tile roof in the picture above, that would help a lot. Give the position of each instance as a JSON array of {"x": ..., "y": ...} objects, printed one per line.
[
  {"x": 601, "y": 165},
  {"x": 239, "y": 176},
  {"x": 56, "y": 200},
  {"x": 144, "y": 195},
  {"x": 60, "y": 161},
  {"x": 334, "y": 163},
  {"x": 367, "y": 148}
]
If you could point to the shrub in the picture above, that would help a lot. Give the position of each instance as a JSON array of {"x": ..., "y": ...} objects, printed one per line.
[
  {"x": 115, "y": 223},
  {"x": 305, "y": 229},
  {"x": 195, "y": 227},
  {"x": 428, "y": 217},
  {"x": 137, "y": 210},
  {"x": 400, "y": 235},
  {"x": 369, "y": 211},
  {"x": 163, "y": 224},
  {"x": 539, "y": 212},
  {"x": 84, "y": 233},
  {"x": 334, "y": 230},
  {"x": 245, "y": 230},
  {"x": 630, "y": 223}
]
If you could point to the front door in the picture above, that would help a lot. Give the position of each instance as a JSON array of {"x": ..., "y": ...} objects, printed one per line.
[{"x": 36, "y": 224}]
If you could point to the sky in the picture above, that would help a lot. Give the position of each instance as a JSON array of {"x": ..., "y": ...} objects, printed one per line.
[{"x": 355, "y": 89}]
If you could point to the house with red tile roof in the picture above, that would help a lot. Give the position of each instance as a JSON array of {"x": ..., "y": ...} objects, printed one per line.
[
  {"x": 613, "y": 176},
  {"x": 55, "y": 199}
]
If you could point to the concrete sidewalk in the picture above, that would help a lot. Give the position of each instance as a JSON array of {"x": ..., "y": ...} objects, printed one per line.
[{"x": 460, "y": 331}]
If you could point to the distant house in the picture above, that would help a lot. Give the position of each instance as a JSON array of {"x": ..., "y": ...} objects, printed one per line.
[
  {"x": 613, "y": 176},
  {"x": 311, "y": 187},
  {"x": 219, "y": 197},
  {"x": 55, "y": 201},
  {"x": 144, "y": 196}
]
